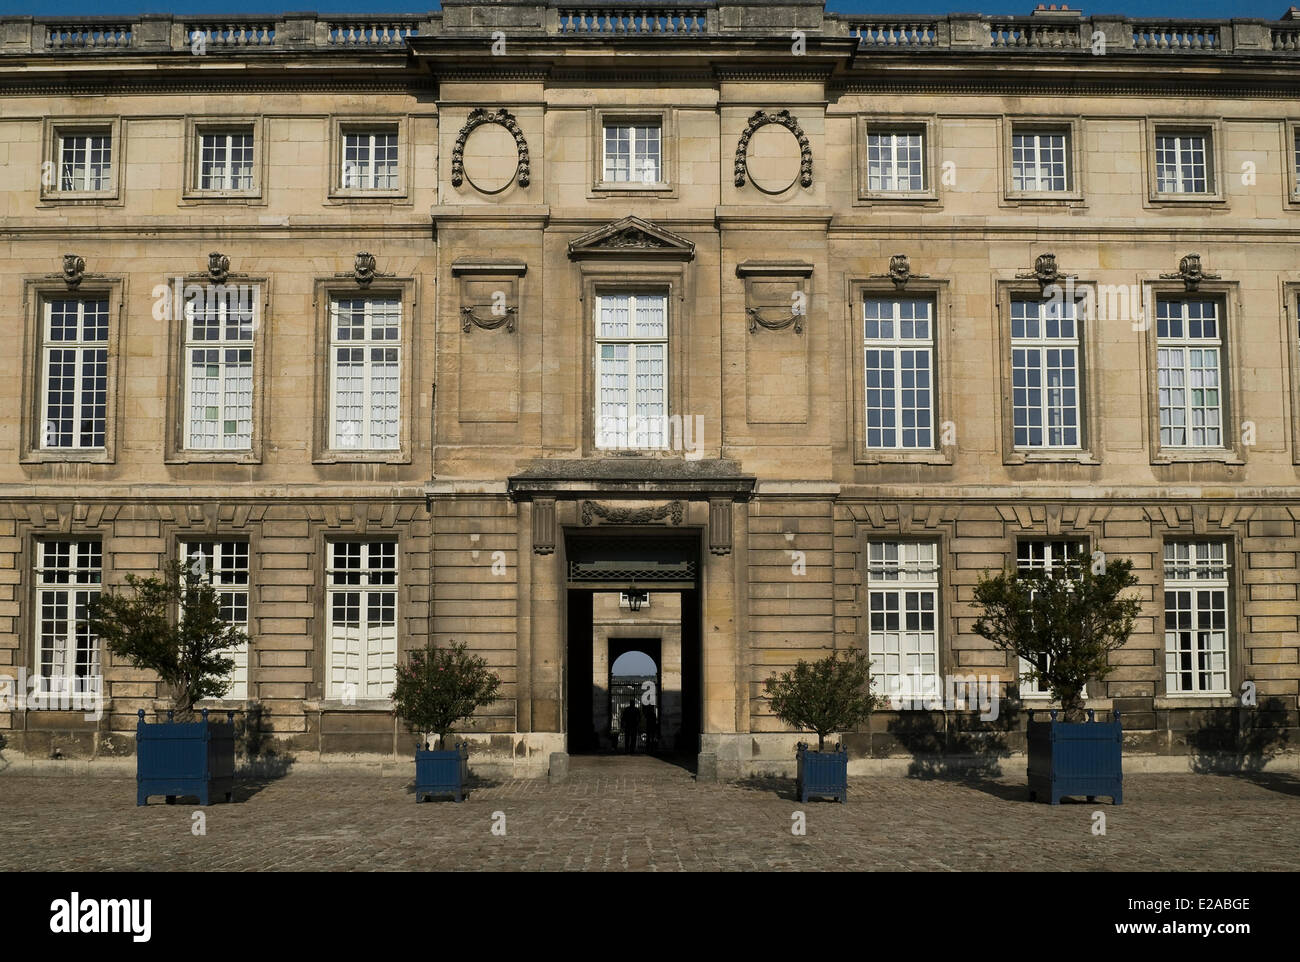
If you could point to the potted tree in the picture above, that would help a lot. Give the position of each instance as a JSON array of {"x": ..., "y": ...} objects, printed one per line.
[
  {"x": 830, "y": 695},
  {"x": 1065, "y": 622},
  {"x": 436, "y": 688},
  {"x": 173, "y": 626}
]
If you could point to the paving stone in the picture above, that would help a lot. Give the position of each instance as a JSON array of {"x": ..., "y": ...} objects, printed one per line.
[{"x": 646, "y": 814}]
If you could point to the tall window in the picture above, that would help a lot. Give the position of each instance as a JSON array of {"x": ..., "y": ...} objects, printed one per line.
[
  {"x": 895, "y": 161},
  {"x": 899, "y": 360},
  {"x": 1047, "y": 556},
  {"x": 75, "y": 373},
  {"x": 903, "y": 598},
  {"x": 1039, "y": 161},
  {"x": 86, "y": 161},
  {"x": 365, "y": 377},
  {"x": 1188, "y": 346},
  {"x": 219, "y": 365},
  {"x": 369, "y": 160},
  {"x": 362, "y": 599},
  {"x": 1182, "y": 163},
  {"x": 1196, "y": 618},
  {"x": 633, "y": 153},
  {"x": 225, "y": 565},
  {"x": 68, "y": 576},
  {"x": 632, "y": 371},
  {"x": 226, "y": 160},
  {"x": 1045, "y": 373}
]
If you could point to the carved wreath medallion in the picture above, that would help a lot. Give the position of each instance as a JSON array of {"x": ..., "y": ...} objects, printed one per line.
[
  {"x": 477, "y": 118},
  {"x": 761, "y": 119}
]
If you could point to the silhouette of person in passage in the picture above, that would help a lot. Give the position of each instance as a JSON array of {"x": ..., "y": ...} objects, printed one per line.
[
  {"x": 630, "y": 722},
  {"x": 651, "y": 720}
]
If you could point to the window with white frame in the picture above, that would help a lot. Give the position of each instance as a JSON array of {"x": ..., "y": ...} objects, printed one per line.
[
  {"x": 75, "y": 373},
  {"x": 632, "y": 370},
  {"x": 224, "y": 564},
  {"x": 903, "y": 625},
  {"x": 68, "y": 577},
  {"x": 219, "y": 331},
  {"x": 1196, "y": 618},
  {"x": 899, "y": 367},
  {"x": 361, "y": 588},
  {"x": 369, "y": 160},
  {"x": 86, "y": 161},
  {"x": 365, "y": 373},
  {"x": 1044, "y": 373},
  {"x": 1295, "y": 157},
  {"x": 895, "y": 160},
  {"x": 1040, "y": 161},
  {"x": 1189, "y": 348},
  {"x": 1049, "y": 556},
  {"x": 1183, "y": 163},
  {"x": 226, "y": 160},
  {"x": 633, "y": 153}
]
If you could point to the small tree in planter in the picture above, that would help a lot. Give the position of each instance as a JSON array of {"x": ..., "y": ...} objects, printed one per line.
[
  {"x": 830, "y": 695},
  {"x": 1065, "y": 622},
  {"x": 436, "y": 688},
  {"x": 184, "y": 756}
]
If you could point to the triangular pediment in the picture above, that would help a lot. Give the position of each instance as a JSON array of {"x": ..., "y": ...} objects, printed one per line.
[{"x": 632, "y": 237}]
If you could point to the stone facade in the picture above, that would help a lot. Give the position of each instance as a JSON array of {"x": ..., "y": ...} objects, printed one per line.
[{"x": 764, "y": 234}]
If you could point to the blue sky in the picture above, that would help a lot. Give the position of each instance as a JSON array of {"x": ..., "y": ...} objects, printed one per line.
[{"x": 1267, "y": 9}]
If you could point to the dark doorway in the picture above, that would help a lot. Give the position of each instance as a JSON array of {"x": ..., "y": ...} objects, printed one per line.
[{"x": 616, "y": 562}]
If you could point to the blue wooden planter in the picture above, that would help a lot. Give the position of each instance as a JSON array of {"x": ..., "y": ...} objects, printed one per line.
[
  {"x": 822, "y": 774},
  {"x": 185, "y": 758},
  {"x": 442, "y": 772},
  {"x": 1075, "y": 758}
]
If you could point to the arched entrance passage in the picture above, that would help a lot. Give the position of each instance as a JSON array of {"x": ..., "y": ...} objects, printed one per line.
[{"x": 599, "y": 567}]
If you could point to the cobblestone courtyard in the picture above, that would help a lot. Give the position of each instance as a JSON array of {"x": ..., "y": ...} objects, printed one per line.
[{"x": 641, "y": 813}]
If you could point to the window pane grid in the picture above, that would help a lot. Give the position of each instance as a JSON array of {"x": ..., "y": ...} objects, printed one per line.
[
  {"x": 1181, "y": 164},
  {"x": 219, "y": 384},
  {"x": 225, "y": 161},
  {"x": 1196, "y": 617},
  {"x": 898, "y": 365},
  {"x": 1045, "y": 374},
  {"x": 224, "y": 565},
  {"x": 362, "y": 598},
  {"x": 1038, "y": 162},
  {"x": 366, "y": 373},
  {"x": 632, "y": 371},
  {"x": 903, "y": 637},
  {"x": 370, "y": 160},
  {"x": 68, "y": 575},
  {"x": 633, "y": 153},
  {"x": 1188, "y": 373},
  {"x": 1041, "y": 556},
  {"x": 894, "y": 161},
  {"x": 75, "y": 374},
  {"x": 85, "y": 162}
]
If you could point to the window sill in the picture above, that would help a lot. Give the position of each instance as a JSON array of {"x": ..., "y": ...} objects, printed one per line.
[
  {"x": 194, "y": 198},
  {"x": 903, "y": 198},
  {"x": 1048, "y": 199},
  {"x": 875, "y": 456},
  {"x": 1186, "y": 200},
  {"x": 1194, "y": 455},
  {"x": 53, "y": 457},
  {"x": 83, "y": 198},
  {"x": 213, "y": 457},
  {"x": 337, "y": 704},
  {"x": 362, "y": 457},
  {"x": 340, "y": 197},
  {"x": 1038, "y": 456},
  {"x": 1189, "y": 700}
]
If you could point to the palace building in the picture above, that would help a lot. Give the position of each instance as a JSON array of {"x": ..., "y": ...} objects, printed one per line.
[{"x": 459, "y": 326}]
